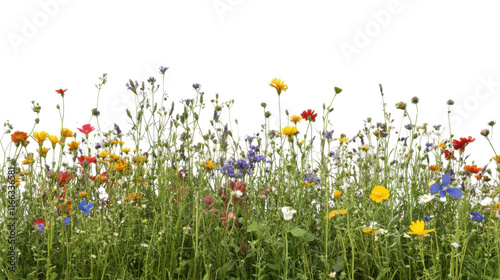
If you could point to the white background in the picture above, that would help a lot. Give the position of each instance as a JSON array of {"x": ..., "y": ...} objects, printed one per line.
[{"x": 435, "y": 50}]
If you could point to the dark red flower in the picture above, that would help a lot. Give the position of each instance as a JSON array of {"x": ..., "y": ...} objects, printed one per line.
[
  {"x": 309, "y": 115},
  {"x": 86, "y": 129},
  {"x": 63, "y": 178},
  {"x": 61, "y": 91},
  {"x": 448, "y": 155},
  {"x": 460, "y": 144},
  {"x": 85, "y": 160}
]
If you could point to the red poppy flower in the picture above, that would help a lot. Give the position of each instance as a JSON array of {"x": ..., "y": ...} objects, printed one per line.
[
  {"x": 61, "y": 91},
  {"x": 86, "y": 129},
  {"x": 63, "y": 178},
  {"x": 460, "y": 144},
  {"x": 309, "y": 115},
  {"x": 472, "y": 169},
  {"x": 448, "y": 155},
  {"x": 84, "y": 160}
]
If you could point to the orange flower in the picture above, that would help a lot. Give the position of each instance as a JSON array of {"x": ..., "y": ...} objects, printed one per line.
[
  {"x": 19, "y": 137},
  {"x": 433, "y": 168},
  {"x": 472, "y": 169},
  {"x": 73, "y": 146},
  {"x": 336, "y": 193},
  {"x": 83, "y": 194}
]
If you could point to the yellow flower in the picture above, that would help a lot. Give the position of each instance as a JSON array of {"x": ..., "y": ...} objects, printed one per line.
[
  {"x": 73, "y": 146},
  {"x": 295, "y": 119},
  {"x": 364, "y": 147},
  {"x": 83, "y": 194},
  {"x": 279, "y": 85},
  {"x": 28, "y": 160},
  {"x": 331, "y": 214},
  {"x": 140, "y": 159},
  {"x": 342, "y": 212},
  {"x": 336, "y": 193},
  {"x": 441, "y": 145},
  {"x": 40, "y": 137},
  {"x": 113, "y": 157},
  {"x": 126, "y": 150},
  {"x": 342, "y": 140},
  {"x": 496, "y": 158},
  {"x": 66, "y": 133},
  {"x": 132, "y": 196},
  {"x": 103, "y": 154},
  {"x": 208, "y": 164},
  {"x": 418, "y": 228},
  {"x": 307, "y": 184},
  {"x": 379, "y": 193},
  {"x": 121, "y": 165},
  {"x": 289, "y": 130},
  {"x": 43, "y": 151},
  {"x": 54, "y": 140}
]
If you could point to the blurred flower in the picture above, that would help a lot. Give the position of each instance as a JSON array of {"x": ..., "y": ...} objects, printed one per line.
[
  {"x": 425, "y": 198},
  {"x": 455, "y": 244},
  {"x": 144, "y": 245},
  {"x": 163, "y": 69},
  {"x": 208, "y": 164},
  {"x": 486, "y": 201},
  {"x": 370, "y": 229},
  {"x": 40, "y": 224},
  {"x": 336, "y": 193},
  {"x": 433, "y": 168},
  {"x": 417, "y": 228},
  {"x": 279, "y": 85},
  {"x": 332, "y": 274},
  {"x": 83, "y": 194},
  {"x": 86, "y": 160},
  {"x": 448, "y": 155},
  {"x": 102, "y": 193},
  {"x": 342, "y": 139},
  {"x": 67, "y": 220},
  {"x": 476, "y": 216},
  {"x": 43, "y": 151},
  {"x": 442, "y": 189},
  {"x": 379, "y": 193},
  {"x": 63, "y": 178},
  {"x": 288, "y": 213}
]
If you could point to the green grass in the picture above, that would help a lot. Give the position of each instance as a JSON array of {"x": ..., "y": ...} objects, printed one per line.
[{"x": 168, "y": 216}]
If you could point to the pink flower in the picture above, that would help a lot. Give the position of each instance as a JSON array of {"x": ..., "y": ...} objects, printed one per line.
[{"x": 86, "y": 129}]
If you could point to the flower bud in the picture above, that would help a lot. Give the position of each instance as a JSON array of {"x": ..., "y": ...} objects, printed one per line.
[
  {"x": 337, "y": 90},
  {"x": 401, "y": 105},
  {"x": 415, "y": 100},
  {"x": 485, "y": 132},
  {"x": 450, "y": 102}
]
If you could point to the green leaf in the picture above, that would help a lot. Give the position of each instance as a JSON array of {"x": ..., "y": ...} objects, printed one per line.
[
  {"x": 254, "y": 226},
  {"x": 339, "y": 264},
  {"x": 298, "y": 232},
  {"x": 53, "y": 276},
  {"x": 309, "y": 237}
]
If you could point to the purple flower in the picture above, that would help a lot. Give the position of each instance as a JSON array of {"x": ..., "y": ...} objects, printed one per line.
[
  {"x": 442, "y": 189},
  {"x": 163, "y": 69},
  {"x": 328, "y": 134},
  {"x": 118, "y": 130},
  {"x": 67, "y": 220},
  {"x": 151, "y": 80},
  {"x": 98, "y": 146},
  {"x": 437, "y": 127},
  {"x": 427, "y": 218},
  {"x": 476, "y": 216},
  {"x": 408, "y": 126},
  {"x": 41, "y": 227},
  {"x": 196, "y": 85}
]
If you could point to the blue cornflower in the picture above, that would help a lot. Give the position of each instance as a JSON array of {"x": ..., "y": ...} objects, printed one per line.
[
  {"x": 442, "y": 189},
  {"x": 67, "y": 220},
  {"x": 476, "y": 216},
  {"x": 41, "y": 227},
  {"x": 85, "y": 207}
]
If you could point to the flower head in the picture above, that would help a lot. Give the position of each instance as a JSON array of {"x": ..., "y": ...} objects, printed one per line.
[
  {"x": 425, "y": 198},
  {"x": 417, "y": 228},
  {"x": 476, "y": 216},
  {"x": 289, "y": 130},
  {"x": 19, "y": 137},
  {"x": 67, "y": 220},
  {"x": 66, "y": 133},
  {"x": 288, "y": 213},
  {"x": 279, "y": 85},
  {"x": 473, "y": 169},
  {"x": 85, "y": 207},
  {"x": 309, "y": 115},
  {"x": 295, "y": 119},
  {"x": 61, "y": 91},
  {"x": 442, "y": 189},
  {"x": 379, "y": 193},
  {"x": 40, "y": 137},
  {"x": 86, "y": 129},
  {"x": 40, "y": 224},
  {"x": 462, "y": 143}
]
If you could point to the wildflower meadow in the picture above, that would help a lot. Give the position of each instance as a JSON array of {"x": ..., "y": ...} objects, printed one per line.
[{"x": 168, "y": 199}]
